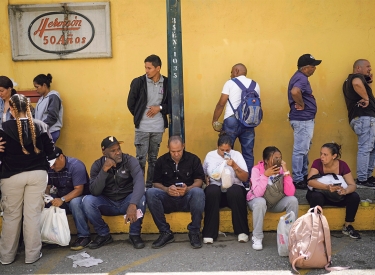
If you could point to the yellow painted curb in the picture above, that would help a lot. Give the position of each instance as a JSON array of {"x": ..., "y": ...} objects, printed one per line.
[{"x": 365, "y": 220}]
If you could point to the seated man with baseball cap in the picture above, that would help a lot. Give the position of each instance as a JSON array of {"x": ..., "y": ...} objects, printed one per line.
[
  {"x": 117, "y": 186},
  {"x": 71, "y": 180}
]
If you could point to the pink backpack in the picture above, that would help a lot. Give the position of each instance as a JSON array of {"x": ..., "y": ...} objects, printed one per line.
[{"x": 310, "y": 242}]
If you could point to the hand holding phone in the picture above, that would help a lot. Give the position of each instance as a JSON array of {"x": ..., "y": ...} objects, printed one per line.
[
  {"x": 179, "y": 184},
  {"x": 227, "y": 155}
]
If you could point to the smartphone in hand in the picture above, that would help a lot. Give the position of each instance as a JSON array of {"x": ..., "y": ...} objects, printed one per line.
[{"x": 179, "y": 184}]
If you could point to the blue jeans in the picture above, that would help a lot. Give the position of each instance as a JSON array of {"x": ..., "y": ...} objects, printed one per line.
[
  {"x": 303, "y": 134},
  {"x": 364, "y": 127},
  {"x": 95, "y": 207},
  {"x": 159, "y": 202},
  {"x": 55, "y": 135},
  {"x": 147, "y": 145},
  {"x": 76, "y": 208},
  {"x": 246, "y": 136}
]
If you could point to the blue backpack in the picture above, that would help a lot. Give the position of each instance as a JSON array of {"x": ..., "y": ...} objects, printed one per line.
[{"x": 249, "y": 112}]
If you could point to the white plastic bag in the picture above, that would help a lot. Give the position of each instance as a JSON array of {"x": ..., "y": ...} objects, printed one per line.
[
  {"x": 54, "y": 226},
  {"x": 283, "y": 228},
  {"x": 226, "y": 178}
]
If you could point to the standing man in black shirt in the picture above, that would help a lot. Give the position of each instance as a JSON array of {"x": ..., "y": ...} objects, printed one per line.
[
  {"x": 360, "y": 103},
  {"x": 178, "y": 180}
]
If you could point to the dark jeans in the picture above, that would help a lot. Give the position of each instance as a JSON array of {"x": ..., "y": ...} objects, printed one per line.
[
  {"x": 96, "y": 206},
  {"x": 55, "y": 136},
  {"x": 159, "y": 203},
  {"x": 350, "y": 201},
  {"x": 246, "y": 136},
  {"x": 235, "y": 199}
]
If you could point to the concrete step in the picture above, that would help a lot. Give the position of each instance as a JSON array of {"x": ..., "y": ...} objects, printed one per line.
[{"x": 365, "y": 220}]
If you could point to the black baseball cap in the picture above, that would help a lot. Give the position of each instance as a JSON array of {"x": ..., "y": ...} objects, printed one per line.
[
  {"x": 109, "y": 141},
  {"x": 56, "y": 153},
  {"x": 307, "y": 59}
]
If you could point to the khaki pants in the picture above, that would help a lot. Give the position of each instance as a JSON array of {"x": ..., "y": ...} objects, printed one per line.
[{"x": 22, "y": 194}]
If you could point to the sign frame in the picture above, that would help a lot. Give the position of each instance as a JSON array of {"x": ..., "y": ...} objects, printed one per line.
[{"x": 20, "y": 31}]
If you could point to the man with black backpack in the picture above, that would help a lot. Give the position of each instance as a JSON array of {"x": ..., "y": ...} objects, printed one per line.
[
  {"x": 302, "y": 117},
  {"x": 240, "y": 97}
]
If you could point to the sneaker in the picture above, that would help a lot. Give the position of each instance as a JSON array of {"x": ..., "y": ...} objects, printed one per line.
[
  {"x": 257, "y": 243},
  {"x": 365, "y": 183},
  {"x": 136, "y": 241},
  {"x": 5, "y": 263},
  {"x": 208, "y": 240},
  {"x": 350, "y": 231},
  {"x": 100, "y": 241},
  {"x": 164, "y": 239},
  {"x": 195, "y": 241},
  {"x": 300, "y": 185},
  {"x": 243, "y": 238},
  {"x": 40, "y": 256},
  {"x": 80, "y": 243}
]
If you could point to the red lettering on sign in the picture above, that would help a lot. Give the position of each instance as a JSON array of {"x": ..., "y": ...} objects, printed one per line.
[{"x": 57, "y": 25}]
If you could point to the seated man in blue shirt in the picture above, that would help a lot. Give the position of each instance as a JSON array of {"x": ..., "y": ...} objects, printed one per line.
[
  {"x": 117, "y": 186},
  {"x": 71, "y": 180},
  {"x": 178, "y": 178}
]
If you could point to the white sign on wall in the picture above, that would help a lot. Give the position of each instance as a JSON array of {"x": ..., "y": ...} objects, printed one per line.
[{"x": 60, "y": 31}]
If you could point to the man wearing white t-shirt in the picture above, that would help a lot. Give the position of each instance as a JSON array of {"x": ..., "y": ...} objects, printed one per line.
[{"x": 232, "y": 126}]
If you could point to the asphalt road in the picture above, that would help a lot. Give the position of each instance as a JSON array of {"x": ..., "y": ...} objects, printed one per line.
[{"x": 225, "y": 256}]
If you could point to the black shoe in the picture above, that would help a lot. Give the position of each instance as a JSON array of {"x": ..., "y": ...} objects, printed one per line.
[
  {"x": 195, "y": 241},
  {"x": 164, "y": 238},
  {"x": 300, "y": 185},
  {"x": 80, "y": 243},
  {"x": 350, "y": 231},
  {"x": 366, "y": 183},
  {"x": 100, "y": 241},
  {"x": 136, "y": 241}
]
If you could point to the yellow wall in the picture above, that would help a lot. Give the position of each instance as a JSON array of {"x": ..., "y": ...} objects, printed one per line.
[{"x": 267, "y": 36}]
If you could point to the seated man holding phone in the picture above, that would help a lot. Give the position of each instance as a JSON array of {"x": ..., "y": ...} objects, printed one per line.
[
  {"x": 117, "y": 186},
  {"x": 178, "y": 179}
]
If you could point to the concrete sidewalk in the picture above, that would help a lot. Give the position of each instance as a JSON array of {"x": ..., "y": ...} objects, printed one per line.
[{"x": 225, "y": 255}]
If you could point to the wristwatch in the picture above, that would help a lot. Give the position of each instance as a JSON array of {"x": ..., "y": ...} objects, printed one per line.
[{"x": 63, "y": 199}]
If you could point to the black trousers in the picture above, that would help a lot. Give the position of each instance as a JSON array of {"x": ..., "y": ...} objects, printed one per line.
[
  {"x": 235, "y": 199},
  {"x": 350, "y": 201}
]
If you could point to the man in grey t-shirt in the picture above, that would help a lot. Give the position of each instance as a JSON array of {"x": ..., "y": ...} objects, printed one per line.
[{"x": 148, "y": 103}]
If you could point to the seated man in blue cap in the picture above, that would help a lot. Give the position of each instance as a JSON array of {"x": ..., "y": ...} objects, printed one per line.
[
  {"x": 69, "y": 176},
  {"x": 117, "y": 186}
]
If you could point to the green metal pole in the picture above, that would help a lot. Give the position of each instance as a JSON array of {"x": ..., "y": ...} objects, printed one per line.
[{"x": 175, "y": 75}]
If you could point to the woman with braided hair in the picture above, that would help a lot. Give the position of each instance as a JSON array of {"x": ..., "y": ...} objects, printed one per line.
[{"x": 23, "y": 174}]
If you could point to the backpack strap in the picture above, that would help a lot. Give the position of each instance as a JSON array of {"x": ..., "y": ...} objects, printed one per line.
[{"x": 252, "y": 86}]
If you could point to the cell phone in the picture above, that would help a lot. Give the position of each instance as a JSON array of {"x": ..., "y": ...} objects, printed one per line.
[
  {"x": 368, "y": 79},
  {"x": 278, "y": 162},
  {"x": 179, "y": 184},
  {"x": 226, "y": 155},
  {"x": 337, "y": 184},
  {"x": 139, "y": 215}
]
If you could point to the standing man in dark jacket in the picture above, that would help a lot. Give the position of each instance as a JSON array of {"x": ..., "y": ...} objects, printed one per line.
[
  {"x": 117, "y": 188},
  {"x": 360, "y": 103},
  {"x": 148, "y": 103}
]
